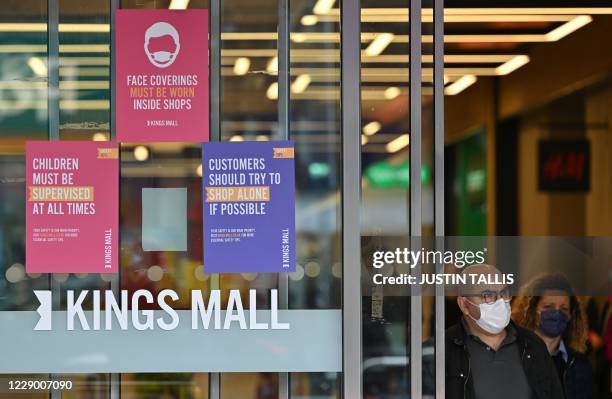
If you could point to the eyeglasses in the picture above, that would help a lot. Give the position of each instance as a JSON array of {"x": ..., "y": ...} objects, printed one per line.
[{"x": 490, "y": 296}]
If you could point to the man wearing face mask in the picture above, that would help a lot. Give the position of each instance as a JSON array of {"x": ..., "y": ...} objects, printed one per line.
[
  {"x": 488, "y": 356},
  {"x": 549, "y": 307}
]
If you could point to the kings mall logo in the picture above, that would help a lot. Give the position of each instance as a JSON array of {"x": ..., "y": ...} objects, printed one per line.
[
  {"x": 126, "y": 311},
  {"x": 44, "y": 310}
]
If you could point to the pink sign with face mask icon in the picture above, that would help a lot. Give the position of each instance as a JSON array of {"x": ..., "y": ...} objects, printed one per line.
[{"x": 162, "y": 75}]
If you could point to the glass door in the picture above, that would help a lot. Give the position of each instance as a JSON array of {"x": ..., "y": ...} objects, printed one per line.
[{"x": 359, "y": 91}]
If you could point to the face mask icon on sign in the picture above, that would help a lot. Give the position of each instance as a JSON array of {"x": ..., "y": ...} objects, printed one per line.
[{"x": 162, "y": 44}]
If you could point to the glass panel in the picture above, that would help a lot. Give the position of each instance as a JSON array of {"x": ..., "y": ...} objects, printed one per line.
[
  {"x": 249, "y": 90},
  {"x": 164, "y": 166},
  {"x": 250, "y": 112},
  {"x": 94, "y": 386},
  {"x": 23, "y": 116},
  {"x": 249, "y": 70},
  {"x": 161, "y": 165},
  {"x": 385, "y": 198},
  {"x": 155, "y": 385},
  {"x": 84, "y": 70},
  {"x": 84, "y": 110},
  {"x": 84, "y": 90},
  {"x": 315, "y": 128},
  {"x": 315, "y": 385},
  {"x": 23, "y": 73},
  {"x": 249, "y": 385}
]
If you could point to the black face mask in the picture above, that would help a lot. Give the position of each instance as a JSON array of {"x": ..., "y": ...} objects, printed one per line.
[{"x": 553, "y": 322}]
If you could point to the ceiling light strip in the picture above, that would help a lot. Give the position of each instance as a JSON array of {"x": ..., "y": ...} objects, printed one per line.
[
  {"x": 327, "y": 56},
  {"x": 569, "y": 27},
  {"x": 460, "y": 85},
  {"x": 487, "y": 11},
  {"x": 393, "y": 17},
  {"x": 379, "y": 44},
  {"x": 512, "y": 65},
  {"x": 525, "y": 14},
  {"x": 399, "y": 143}
]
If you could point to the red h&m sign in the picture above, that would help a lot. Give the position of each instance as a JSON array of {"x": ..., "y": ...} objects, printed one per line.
[{"x": 564, "y": 165}]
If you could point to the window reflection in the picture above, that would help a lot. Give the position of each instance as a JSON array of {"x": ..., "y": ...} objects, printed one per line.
[
  {"x": 162, "y": 386},
  {"x": 248, "y": 101},
  {"x": 161, "y": 166},
  {"x": 315, "y": 128},
  {"x": 84, "y": 70},
  {"x": 23, "y": 116},
  {"x": 94, "y": 386},
  {"x": 23, "y": 73},
  {"x": 385, "y": 200}
]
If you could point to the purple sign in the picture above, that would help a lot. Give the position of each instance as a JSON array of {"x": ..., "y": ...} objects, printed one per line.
[{"x": 249, "y": 207}]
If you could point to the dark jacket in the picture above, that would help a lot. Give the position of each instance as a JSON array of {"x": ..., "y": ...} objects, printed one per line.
[
  {"x": 578, "y": 380},
  {"x": 539, "y": 368}
]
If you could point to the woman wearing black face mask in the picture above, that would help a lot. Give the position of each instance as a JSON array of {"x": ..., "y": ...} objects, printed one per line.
[{"x": 549, "y": 307}]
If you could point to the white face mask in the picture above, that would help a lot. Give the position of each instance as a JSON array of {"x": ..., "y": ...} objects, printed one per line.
[
  {"x": 494, "y": 317},
  {"x": 162, "y": 56}
]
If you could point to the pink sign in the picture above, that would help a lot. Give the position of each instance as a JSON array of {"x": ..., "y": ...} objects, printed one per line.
[
  {"x": 72, "y": 209},
  {"x": 162, "y": 75}
]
